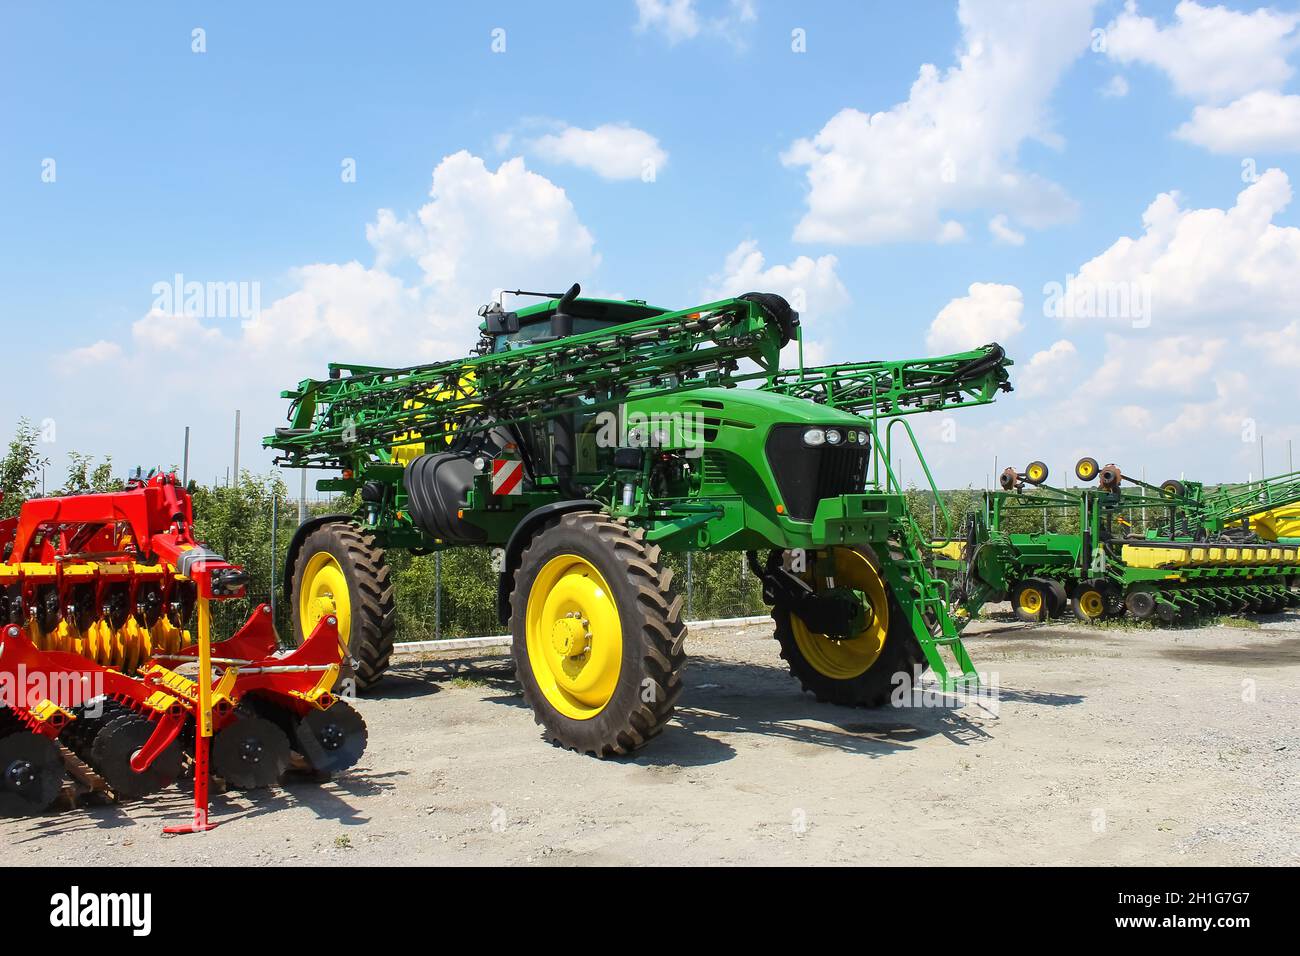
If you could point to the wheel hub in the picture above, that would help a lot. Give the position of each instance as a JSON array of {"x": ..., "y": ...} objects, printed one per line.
[
  {"x": 250, "y": 751},
  {"x": 571, "y": 636},
  {"x": 331, "y": 736},
  {"x": 20, "y": 775}
]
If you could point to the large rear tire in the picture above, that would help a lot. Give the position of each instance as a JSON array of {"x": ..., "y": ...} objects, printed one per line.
[
  {"x": 598, "y": 635},
  {"x": 861, "y": 671},
  {"x": 340, "y": 570}
]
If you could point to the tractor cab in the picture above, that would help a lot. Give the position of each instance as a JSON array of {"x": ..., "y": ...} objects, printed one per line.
[{"x": 555, "y": 318}]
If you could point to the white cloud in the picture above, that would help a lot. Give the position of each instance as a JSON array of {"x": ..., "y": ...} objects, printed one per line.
[
  {"x": 1205, "y": 264},
  {"x": 1232, "y": 64},
  {"x": 1278, "y": 346},
  {"x": 680, "y": 20},
  {"x": 1003, "y": 232},
  {"x": 1116, "y": 87},
  {"x": 1045, "y": 371},
  {"x": 1217, "y": 420},
  {"x": 612, "y": 151},
  {"x": 97, "y": 353},
  {"x": 676, "y": 19},
  {"x": 359, "y": 312},
  {"x": 1171, "y": 364},
  {"x": 989, "y": 313},
  {"x": 1263, "y": 120},
  {"x": 1211, "y": 54},
  {"x": 481, "y": 230},
  {"x": 811, "y": 286},
  {"x": 163, "y": 332},
  {"x": 1134, "y": 418},
  {"x": 951, "y": 231},
  {"x": 904, "y": 173}
]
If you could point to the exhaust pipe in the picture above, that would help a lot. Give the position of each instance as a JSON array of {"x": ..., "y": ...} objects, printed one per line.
[{"x": 565, "y": 447}]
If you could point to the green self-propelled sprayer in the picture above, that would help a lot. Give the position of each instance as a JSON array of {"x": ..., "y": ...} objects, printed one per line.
[{"x": 582, "y": 440}]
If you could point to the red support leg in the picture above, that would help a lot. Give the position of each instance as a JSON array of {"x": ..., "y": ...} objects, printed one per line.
[{"x": 201, "y": 822}]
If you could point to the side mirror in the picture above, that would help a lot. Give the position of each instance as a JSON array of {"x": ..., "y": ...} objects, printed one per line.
[{"x": 500, "y": 323}]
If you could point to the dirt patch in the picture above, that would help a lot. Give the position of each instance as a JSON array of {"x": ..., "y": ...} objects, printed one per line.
[{"x": 1103, "y": 746}]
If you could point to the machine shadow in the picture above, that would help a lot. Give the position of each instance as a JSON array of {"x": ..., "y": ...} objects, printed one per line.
[
  {"x": 728, "y": 697},
  {"x": 420, "y": 678},
  {"x": 327, "y": 799}
]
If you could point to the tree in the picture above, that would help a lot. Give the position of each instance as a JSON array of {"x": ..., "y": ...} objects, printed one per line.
[
  {"x": 85, "y": 479},
  {"x": 20, "y": 469}
]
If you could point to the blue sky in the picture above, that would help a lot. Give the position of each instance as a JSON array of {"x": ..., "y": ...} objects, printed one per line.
[{"x": 1035, "y": 147}]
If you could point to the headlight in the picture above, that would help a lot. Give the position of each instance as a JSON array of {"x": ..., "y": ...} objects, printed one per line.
[
  {"x": 833, "y": 437},
  {"x": 814, "y": 436},
  {"x": 862, "y": 438}
]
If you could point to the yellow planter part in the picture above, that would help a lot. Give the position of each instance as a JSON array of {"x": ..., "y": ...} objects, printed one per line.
[
  {"x": 122, "y": 648},
  {"x": 954, "y": 550},
  {"x": 1279, "y": 523},
  {"x": 1165, "y": 556},
  {"x": 409, "y": 446},
  {"x": 574, "y": 636},
  {"x": 846, "y": 659}
]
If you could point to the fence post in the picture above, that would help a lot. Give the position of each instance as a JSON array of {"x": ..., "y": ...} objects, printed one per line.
[
  {"x": 275, "y": 520},
  {"x": 437, "y": 595},
  {"x": 690, "y": 588}
]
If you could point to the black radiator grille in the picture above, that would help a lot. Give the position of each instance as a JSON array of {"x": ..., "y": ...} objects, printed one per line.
[{"x": 807, "y": 475}]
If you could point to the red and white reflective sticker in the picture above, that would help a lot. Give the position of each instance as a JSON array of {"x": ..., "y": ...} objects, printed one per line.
[{"x": 507, "y": 476}]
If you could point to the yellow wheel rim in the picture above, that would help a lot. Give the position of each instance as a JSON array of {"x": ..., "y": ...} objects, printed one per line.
[
  {"x": 1092, "y": 604},
  {"x": 574, "y": 637},
  {"x": 849, "y": 658},
  {"x": 324, "y": 591},
  {"x": 1031, "y": 600},
  {"x": 1086, "y": 470}
]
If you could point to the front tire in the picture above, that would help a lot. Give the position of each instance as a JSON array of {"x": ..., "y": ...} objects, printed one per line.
[
  {"x": 598, "y": 635},
  {"x": 342, "y": 571},
  {"x": 859, "y": 671}
]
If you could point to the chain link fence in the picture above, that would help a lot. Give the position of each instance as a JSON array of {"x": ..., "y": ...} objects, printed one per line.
[{"x": 445, "y": 595}]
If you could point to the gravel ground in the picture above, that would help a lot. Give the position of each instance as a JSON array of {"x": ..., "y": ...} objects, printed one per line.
[{"x": 1104, "y": 746}]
